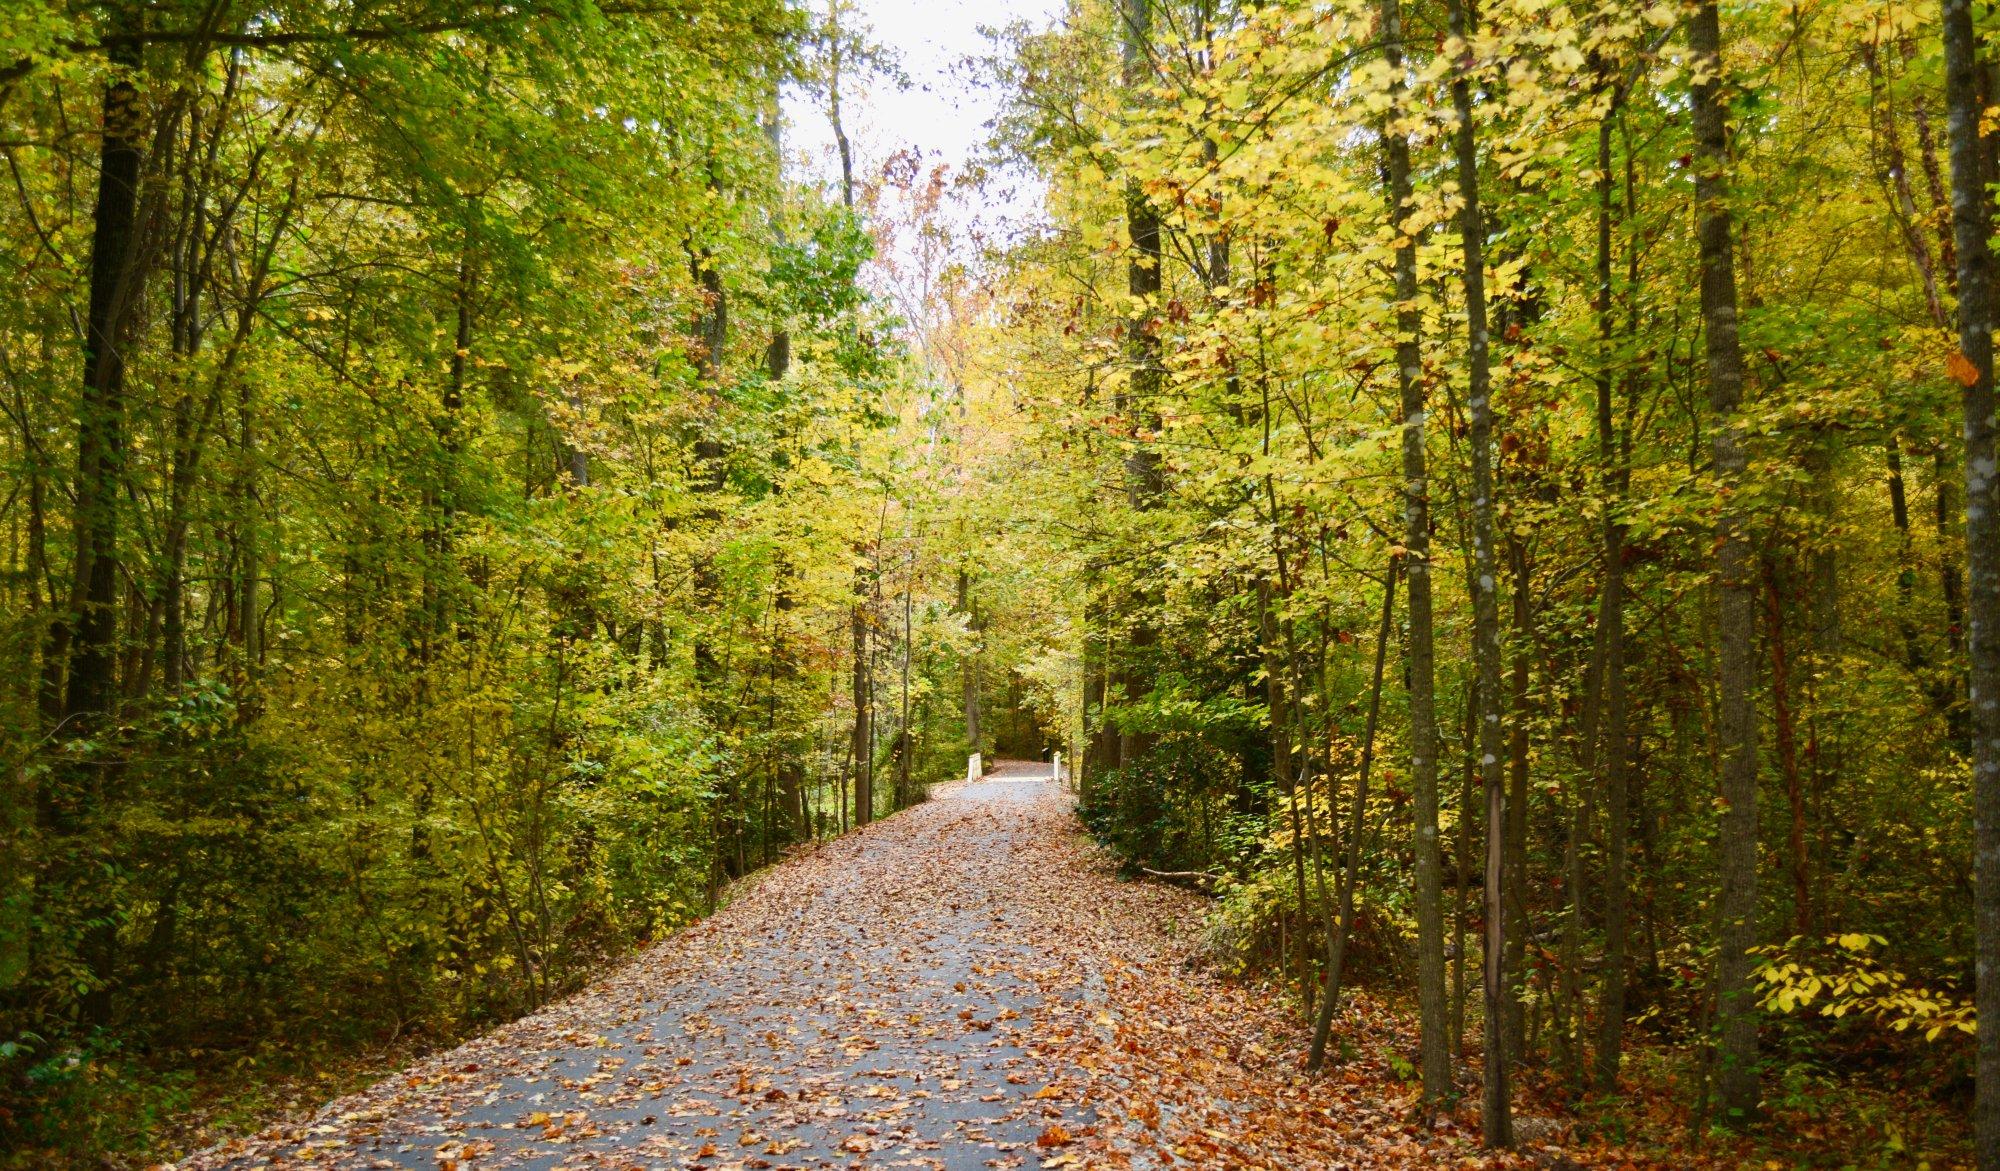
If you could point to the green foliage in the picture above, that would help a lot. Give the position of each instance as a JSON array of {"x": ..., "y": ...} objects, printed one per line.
[
  {"x": 1842, "y": 977},
  {"x": 502, "y": 438},
  {"x": 1224, "y": 621}
]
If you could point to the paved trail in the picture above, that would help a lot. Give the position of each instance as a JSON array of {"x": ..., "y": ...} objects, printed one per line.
[
  {"x": 882, "y": 997},
  {"x": 965, "y": 985}
]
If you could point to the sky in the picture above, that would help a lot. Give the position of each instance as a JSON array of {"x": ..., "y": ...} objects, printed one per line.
[{"x": 941, "y": 110}]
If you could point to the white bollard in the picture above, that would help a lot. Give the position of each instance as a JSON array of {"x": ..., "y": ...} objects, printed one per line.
[
  {"x": 974, "y": 769},
  {"x": 1055, "y": 768}
]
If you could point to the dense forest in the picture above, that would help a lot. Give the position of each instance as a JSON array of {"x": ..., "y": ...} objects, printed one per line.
[
  {"x": 1527, "y": 472},
  {"x": 457, "y": 499},
  {"x": 1500, "y": 497}
]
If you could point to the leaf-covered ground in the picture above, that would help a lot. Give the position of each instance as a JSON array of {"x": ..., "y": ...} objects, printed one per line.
[{"x": 965, "y": 985}]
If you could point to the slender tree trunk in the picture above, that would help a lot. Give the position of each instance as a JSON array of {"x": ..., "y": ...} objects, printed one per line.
[
  {"x": 903, "y": 734},
  {"x": 969, "y": 667},
  {"x": 1514, "y": 907},
  {"x": 1615, "y": 754},
  {"x": 1737, "y": 1078},
  {"x": 249, "y": 523},
  {"x": 1099, "y": 754},
  {"x": 1357, "y": 820},
  {"x": 1461, "y": 911},
  {"x": 1906, "y": 572},
  {"x": 1496, "y": 1122},
  {"x": 1972, "y": 224},
  {"x": 864, "y": 732},
  {"x": 1435, "y": 1063},
  {"x": 1284, "y": 776}
]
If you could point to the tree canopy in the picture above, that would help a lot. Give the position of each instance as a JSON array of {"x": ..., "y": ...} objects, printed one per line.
[{"x": 1499, "y": 495}]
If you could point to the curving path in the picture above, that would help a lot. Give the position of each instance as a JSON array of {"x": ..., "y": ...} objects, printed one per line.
[{"x": 900, "y": 997}]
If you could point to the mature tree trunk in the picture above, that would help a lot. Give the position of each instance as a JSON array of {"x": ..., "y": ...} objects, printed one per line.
[
  {"x": 1496, "y": 1121},
  {"x": 1139, "y": 400},
  {"x": 1735, "y": 589},
  {"x": 91, "y": 630},
  {"x": 1142, "y": 279},
  {"x": 1435, "y": 1061},
  {"x": 85, "y": 639},
  {"x": 1972, "y": 224}
]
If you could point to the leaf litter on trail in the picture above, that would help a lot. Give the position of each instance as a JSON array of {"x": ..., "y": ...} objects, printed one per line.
[{"x": 966, "y": 984}]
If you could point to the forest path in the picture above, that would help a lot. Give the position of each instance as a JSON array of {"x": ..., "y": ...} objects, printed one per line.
[
  {"x": 892, "y": 998},
  {"x": 967, "y": 984}
]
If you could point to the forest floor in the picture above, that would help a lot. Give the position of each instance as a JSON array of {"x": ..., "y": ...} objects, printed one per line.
[{"x": 968, "y": 984}]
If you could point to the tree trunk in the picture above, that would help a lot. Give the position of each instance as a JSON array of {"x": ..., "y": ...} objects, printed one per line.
[
  {"x": 1906, "y": 572},
  {"x": 903, "y": 733},
  {"x": 1357, "y": 819},
  {"x": 91, "y": 636},
  {"x": 1496, "y": 1123},
  {"x": 864, "y": 732},
  {"x": 1435, "y": 1062},
  {"x": 1284, "y": 776},
  {"x": 1514, "y": 907},
  {"x": 86, "y": 638},
  {"x": 1614, "y": 755},
  {"x": 1735, "y": 588},
  {"x": 1141, "y": 394},
  {"x": 969, "y": 667},
  {"x": 1972, "y": 225}
]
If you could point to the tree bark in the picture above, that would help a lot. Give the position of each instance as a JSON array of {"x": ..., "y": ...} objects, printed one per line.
[
  {"x": 1614, "y": 755},
  {"x": 92, "y": 624},
  {"x": 1140, "y": 397},
  {"x": 1972, "y": 226},
  {"x": 1735, "y": 588},
  {"x": 1435, "y": 1063},
  {"x": 1496, "y": 1121},
  {"x": 969, "y": 668},
  {"x": 85, "y": 639}
]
